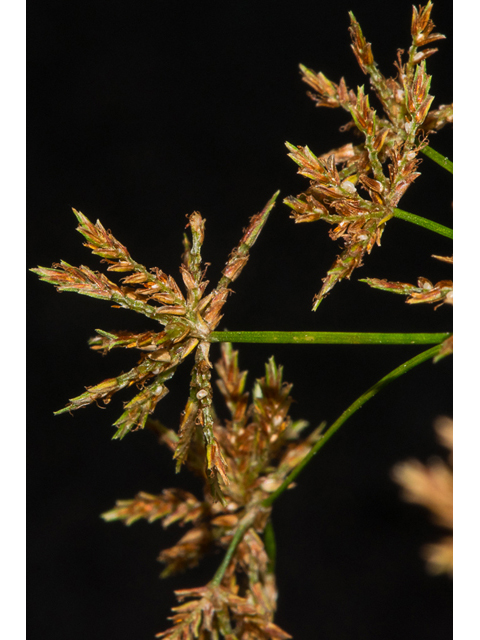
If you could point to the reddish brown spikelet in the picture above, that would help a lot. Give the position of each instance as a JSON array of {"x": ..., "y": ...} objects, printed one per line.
[
  {"x": 438, "y": 118},
  {"x": 361, "y": 48},
  {"x": 188, "y": 551},
  {"x": 424, "y": 291},
  {"x": 232, "y": 384},
  {"x": 326, "y": 92},
  {"x": 81, "y": 280},
  {"x": 172, "y": 505},
  {"x": 422, "y": 26},
  {"x": 102, "y": 243}
]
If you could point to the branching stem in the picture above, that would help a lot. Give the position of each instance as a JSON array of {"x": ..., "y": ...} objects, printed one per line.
[
  {"x": 438, "y": 158},
  {"x": 326, "y": 337},
  {"x": 243, "y": 525},
  {"x": 424, "y": 222}
]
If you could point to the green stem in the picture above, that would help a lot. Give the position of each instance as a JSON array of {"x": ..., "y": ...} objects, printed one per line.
[
  {"x": 326, "y": 337},
  {"x": 438, "y": 158},
  {"x": 244, "y": 524},
  {"x": 355, "y": 406},
  {"x": 424, "y": 222}
]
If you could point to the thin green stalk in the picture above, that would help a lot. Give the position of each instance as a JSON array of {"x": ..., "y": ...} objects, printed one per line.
[
  {"x": 359, "y": 402},
  {"x": 438, "y": 158},
  {"x": 326, "y": 337},
  {"x": 244, "y": 524},
  {"x": 424, "y": 222}
]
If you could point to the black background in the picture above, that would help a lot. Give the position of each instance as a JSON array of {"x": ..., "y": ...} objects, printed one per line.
[{"x": 141, "y": 113}]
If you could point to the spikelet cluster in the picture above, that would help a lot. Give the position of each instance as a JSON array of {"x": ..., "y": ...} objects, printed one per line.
[
  {"x": 187, "y": 318},
  {"x": 356, "y": 188},
  {"x": 261, "y": 445}
]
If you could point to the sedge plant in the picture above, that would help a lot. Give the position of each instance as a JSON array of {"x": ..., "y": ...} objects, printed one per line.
[{"x": 245, "y": 463}]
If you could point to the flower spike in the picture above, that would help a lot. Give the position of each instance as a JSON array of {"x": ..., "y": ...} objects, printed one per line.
[
  {"x": 261, "y": 445},
  {"x": 187, "y": 319},
  {"x": 357, "y": 188}
]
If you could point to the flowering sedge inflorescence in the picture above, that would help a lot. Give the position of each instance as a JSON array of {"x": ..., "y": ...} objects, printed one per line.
[
  {"x": 246, "y": 463},
  {"x": 187, "y": 319},
  {"x": 241, "y": 463},
  {"x": 394, "y": 140},
  {"x": 261, "y": 445}
]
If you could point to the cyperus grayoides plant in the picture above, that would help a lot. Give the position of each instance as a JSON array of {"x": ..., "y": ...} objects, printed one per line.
[{"x": 246, "y": 463}]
